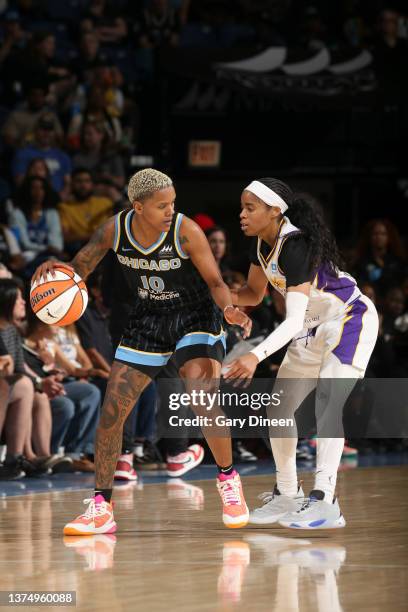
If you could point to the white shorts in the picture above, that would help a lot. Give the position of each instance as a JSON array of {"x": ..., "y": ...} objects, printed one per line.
[{"x": 335, "y": 348}]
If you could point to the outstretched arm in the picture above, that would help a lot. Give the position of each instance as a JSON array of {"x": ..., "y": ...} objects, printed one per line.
[
  {"x": 86, "y": 260},
  {"x": 195, "y": 245},
  {"x": 297, "y": 299},
  {"x": 253, "y": 292}
]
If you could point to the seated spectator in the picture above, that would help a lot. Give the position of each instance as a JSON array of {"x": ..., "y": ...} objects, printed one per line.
[
  {"x": 160, "y": 25},
  {"x": 381, "y": 255},
  {"x": 93, "y": 110},
  {"x": 32, "y": 433},
  {"x": 89, "y": 57},
  {"x": 102, "y": 18},
  {"x": 38, "y": 64},
  {"x": 75, "y": 413},
  {"x": 217, "y": 240},
  {"x": 44, "y": 147},
  {"x": 84, "y": 212},
  {"x": 93, "y": 327},
  {"x": 35, "y": 220},
  {"x": 38, "y": 167},
  {"x": 10, "y": 252},
  {"x": 18, "y": 129},
  {"x": 69, "y": 354},
  {"x": 102, "y": 162},
  {"x": 111, "y": 80}
]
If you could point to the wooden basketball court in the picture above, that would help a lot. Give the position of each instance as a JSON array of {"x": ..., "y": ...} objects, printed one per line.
[{"x": 172, "y": 552}]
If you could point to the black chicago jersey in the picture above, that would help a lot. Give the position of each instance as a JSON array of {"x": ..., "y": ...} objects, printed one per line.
[
  {"x": 173, "y": 311},
  {"x": 161, "y": 275}
]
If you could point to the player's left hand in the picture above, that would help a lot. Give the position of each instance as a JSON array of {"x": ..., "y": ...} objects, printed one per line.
[
  {"x": 242, "y": 368},
  {"x": 235, "y": 316}
]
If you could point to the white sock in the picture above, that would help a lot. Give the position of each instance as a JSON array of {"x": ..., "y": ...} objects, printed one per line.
[
  {"x": 284, "y": 454},
  {"x": 328, "y": 457}
]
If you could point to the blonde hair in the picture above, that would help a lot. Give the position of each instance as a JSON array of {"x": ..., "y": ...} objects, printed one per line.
[{"x": 146, "y": 182}]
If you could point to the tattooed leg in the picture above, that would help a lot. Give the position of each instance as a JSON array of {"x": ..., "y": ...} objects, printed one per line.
[{"x": 124, "y": 388}]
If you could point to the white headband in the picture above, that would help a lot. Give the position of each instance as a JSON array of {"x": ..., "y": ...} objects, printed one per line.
[{"x": 267, "y": 195}]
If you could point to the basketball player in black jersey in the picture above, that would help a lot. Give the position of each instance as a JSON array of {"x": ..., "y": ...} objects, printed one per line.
[{"x": 181, "y": 301}]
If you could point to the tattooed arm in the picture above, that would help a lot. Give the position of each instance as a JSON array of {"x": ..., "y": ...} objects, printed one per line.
[
  {"x": 86, "y": 260},
  {"x": 195, "y": 245}
]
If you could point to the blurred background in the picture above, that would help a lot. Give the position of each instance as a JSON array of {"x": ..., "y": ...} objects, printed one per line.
[{"x": 216, "y": 93}]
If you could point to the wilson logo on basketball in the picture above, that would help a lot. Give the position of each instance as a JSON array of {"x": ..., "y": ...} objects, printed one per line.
[
  {"x": 61, "y": 299},
  {"x": 38, "y": 297}
]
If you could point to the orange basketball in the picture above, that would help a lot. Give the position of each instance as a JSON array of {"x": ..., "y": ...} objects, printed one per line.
[{"x": 59, "y": 300}]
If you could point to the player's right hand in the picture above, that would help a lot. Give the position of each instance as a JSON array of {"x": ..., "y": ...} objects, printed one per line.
[{"x": 40, "y": 275}]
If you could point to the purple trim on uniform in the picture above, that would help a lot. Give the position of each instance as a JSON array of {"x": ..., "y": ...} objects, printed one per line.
[
  {"x": 342, "y": 287},
  {"x": 346, "y": 348}
]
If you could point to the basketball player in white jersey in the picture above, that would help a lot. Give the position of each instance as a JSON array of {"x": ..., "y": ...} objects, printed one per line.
[{"x": 332, "y": 329}]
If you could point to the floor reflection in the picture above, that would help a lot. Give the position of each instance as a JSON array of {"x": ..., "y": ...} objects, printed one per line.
[
  {"x": 96, "y": 551},
  {"x": 236, "y": 556},
  {"x": 191, "y": 496},
  {"x": 172, "y": 552},
  {"x": 301, "y": 567}
]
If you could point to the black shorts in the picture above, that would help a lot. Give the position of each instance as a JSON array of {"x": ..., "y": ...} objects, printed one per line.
[{"x": 151, "y": 338}]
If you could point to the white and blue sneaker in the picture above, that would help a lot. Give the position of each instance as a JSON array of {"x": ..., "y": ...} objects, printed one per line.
[
  {"x": 315, "y": 513},
  {"x": 275, "y": 506}
]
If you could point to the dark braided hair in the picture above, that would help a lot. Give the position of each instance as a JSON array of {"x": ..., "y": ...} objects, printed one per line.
[{"x": 304, "y": 213}]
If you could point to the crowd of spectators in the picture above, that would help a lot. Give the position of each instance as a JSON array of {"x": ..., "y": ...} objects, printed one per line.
[{"x": 69, "y": 122}]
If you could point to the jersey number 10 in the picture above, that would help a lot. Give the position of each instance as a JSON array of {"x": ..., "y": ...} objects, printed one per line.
[{"x": 155, "y": 283}]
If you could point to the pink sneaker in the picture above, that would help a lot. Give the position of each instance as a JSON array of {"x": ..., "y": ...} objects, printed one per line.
[
  {"x": 235, "y": 512},
  {"x": 124, "y": 468},
  {"x": 98, "y": 518},
  {"x": 184, "y": 462}
]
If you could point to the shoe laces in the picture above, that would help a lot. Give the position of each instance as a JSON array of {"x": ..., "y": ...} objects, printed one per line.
[
  {"x": 230, "y": 492},
  {"x": 307, "y": 502},
  {"x": 94, "y": 509},
  {"x": 266, "y": 496}
]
